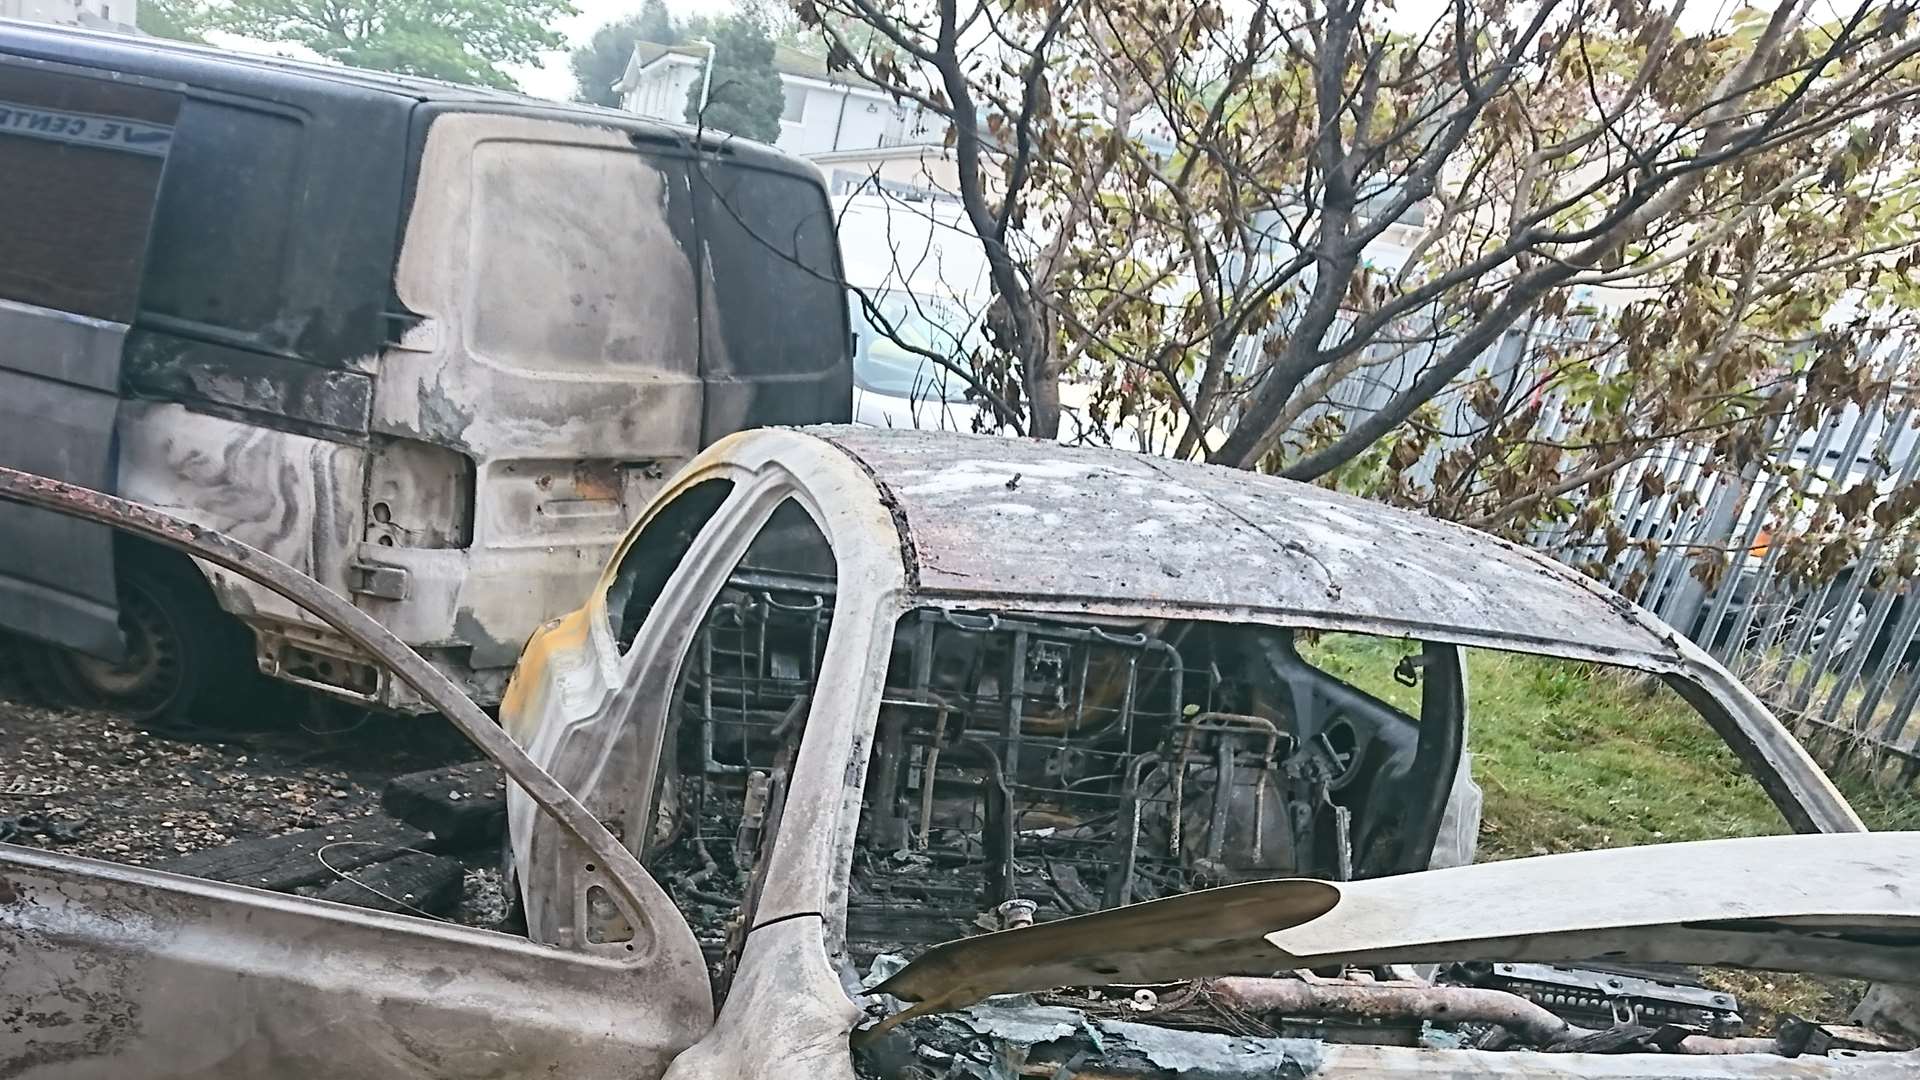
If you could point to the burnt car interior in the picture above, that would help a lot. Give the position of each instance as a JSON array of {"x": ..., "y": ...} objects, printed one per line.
[
  {"x": 1031, "y": 767},
  {"x": 1028, "y": 767}
]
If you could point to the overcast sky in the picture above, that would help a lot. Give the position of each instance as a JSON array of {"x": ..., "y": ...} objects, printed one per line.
[
  {"x": 554, "y": 80},
  {"x": 551, "y": 79}
]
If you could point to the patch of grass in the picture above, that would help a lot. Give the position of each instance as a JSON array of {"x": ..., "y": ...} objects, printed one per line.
[
  {"x": 1767, "y": 997},
  {"x": 1576, "y": 756},
  {"x": 1364, "y": 661}
]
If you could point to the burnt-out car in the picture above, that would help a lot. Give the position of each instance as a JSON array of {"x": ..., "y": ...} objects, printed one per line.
[
  {"x": 913, "y": 755},
  {"x": 848, "y": 694}
]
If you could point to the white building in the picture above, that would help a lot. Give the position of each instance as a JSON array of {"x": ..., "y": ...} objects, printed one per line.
[
  {"x": 922, "y": 170},
  {"x": 826, "y": 112},
  {"x": 95, "y": 14}
]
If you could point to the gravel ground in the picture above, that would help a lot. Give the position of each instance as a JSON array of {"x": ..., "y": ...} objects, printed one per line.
[
  {"x": 95, "y": 784},
  {"x": 100, "y": 785}
]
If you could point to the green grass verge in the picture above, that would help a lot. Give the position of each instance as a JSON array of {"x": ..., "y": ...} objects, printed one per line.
[{"x": 1575, "y": 756}]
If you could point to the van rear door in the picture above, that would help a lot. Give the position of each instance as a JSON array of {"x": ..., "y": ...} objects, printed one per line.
[{"x": 83, "y": 151}]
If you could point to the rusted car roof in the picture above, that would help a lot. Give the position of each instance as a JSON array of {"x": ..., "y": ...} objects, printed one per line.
[{"x": 1106, "y": 530}]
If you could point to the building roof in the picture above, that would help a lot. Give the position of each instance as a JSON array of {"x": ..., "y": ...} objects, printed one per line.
[
  {"x": 1110, "y": 531},
  {"x": 791, "y": 61},
  {"x": 786, "y": 60},
  {"x": 646, "y": 52}
]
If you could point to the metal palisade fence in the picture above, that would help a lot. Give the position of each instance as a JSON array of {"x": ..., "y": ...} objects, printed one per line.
[
  {"x": 1760, "y": 567},
  {"x": 1821, "y": 620}
]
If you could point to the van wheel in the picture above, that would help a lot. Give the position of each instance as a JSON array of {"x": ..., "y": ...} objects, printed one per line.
[{"x": 183, "y": 653}]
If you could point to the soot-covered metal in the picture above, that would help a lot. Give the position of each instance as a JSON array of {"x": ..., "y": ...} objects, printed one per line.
[
  {"x": 830, "y": 757},
  {"x": 1031, "y": 768}
]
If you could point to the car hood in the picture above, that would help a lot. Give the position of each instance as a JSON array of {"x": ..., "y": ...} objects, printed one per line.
[{"x": 1836, "y": 904}]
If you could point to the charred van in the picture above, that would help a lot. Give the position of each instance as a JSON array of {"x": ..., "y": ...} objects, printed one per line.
[{"x": 433, "y": 345}]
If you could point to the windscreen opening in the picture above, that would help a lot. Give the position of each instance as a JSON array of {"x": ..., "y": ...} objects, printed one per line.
[{"x": 885, "y": 360}]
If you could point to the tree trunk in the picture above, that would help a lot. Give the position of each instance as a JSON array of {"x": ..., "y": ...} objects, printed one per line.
[{"x": 1043, "y": 398}]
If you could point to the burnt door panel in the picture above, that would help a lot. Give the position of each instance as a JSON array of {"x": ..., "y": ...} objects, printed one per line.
[
  {"x": 116, "y": 971},
  {"x": 83, "y": 152}
]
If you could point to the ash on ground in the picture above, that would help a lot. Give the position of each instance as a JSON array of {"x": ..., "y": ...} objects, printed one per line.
[{"x": 95, "y": 784}]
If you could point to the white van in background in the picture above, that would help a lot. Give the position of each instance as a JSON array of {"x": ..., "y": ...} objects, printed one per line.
[{"x": 916, "y": 274}]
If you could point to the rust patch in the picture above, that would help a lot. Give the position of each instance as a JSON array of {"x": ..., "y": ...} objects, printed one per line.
[{"x": 596, "y": 480}]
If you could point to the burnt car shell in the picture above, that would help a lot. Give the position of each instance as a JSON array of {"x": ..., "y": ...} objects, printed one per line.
[{"x": 957, "y": 526}]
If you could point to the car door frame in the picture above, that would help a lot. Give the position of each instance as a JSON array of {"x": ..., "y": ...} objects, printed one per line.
[
  {"x": 786, "y": 1010},
  {"x": 813, "y": 847},
  {"x": 108, "y": 965}
]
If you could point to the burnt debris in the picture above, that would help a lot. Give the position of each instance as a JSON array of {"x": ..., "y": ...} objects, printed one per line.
[{"x": 1031, "y": 768}]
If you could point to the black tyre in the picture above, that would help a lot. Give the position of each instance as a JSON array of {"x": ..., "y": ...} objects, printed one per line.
[{"x": 185, "y": 657}]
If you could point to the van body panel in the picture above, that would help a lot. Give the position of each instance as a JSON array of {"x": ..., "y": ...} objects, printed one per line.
[
  {"x": 83, "y": 156},
  {"x": 295, "y": 497}
]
